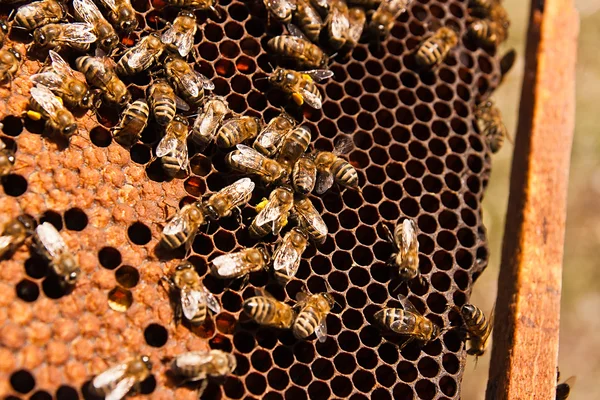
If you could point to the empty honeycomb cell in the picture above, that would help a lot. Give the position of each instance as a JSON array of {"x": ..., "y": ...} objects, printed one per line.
[
  {"x": 100, "y": 136},
  {"x": 345, "y": 363},
  {"x": 12, "y": 125},
  {"x": 300, "y": 375},
  {"x": 341, "y": 386},
  {"x": 14, "y": 185},
  {"x": 425, "y": 389},
  {"x": 256, "y": 383},
  {"x": 127, "y": 276},
  {"x": 65, "y": 392},
  {"x": 22, "y": 381},
  {"x": 350, "y": 106},
  {"x": 282, "y": 356},
  {"x": 261, "y": 360},
  {"x": 41, "y": 395},
  {"x": 36, "y": 267},
  {"x": 464, "y": 258},
  {"x": 109, "y": 257},
  {"x": 304, "y": 352},
  {"x": 428, "y": 367},
  {"x": 27, "y": 290},
  {"x": 138, "y": 233}
]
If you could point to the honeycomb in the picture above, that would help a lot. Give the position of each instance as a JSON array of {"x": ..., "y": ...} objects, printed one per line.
[{"x": 418, "y": 155}]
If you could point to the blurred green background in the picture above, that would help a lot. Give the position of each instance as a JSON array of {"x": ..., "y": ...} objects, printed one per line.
[{"x": 580, "y": 308}]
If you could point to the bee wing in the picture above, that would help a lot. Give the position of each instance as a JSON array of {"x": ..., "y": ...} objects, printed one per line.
[
  {"x": 122, "y": 388},
  {"x": 185, "y": 43},
  {"x": 204, "y": 81},
  {"x": 193, "y": 359},
  {"x": 273, "y": 211},
  {"x": 339, "y": 23},
  {"x": 211, "y": 301},
  {"x": 181, "y": 104},
  {"x": 169, "y": 36},
  {"x": 190, "y": 301},
  {"x": 190, "y": 83},
  {"x": 228, "y": 264},
  {"x": 46, "y": 99},
  {"x": 249, "y": 158},
  {"x": 239, "y": 190},
  {"x": 178, "y": 224},
  {"x": 87, "y": 11},
  {"x": 205, "y": 123},
  {"x": 78, "y": 33},
  {"x": 314, "y": 219},
  {"x": 409, "y": 236},
  {"x": 280, "y": 8},
  {"x": 321, "y": 331},
  {"x": 407, "y": 305},
  {"x": 140, "y": 55},
  {"x": 324, "y": 182},
  {"x": 61, "y": 67},
  {"x": 311, "y": 99},
  {"x": 109, "y": 377},
  {"x": 49, "y": 79},
  {"x": 176, "y": 147},
  {"x": 6, "y": 240},
  {"x": 287, "y": 257},
  {"x": 319, "y": 74},
  {"x": 110, "y": 4},
  {"x": 294, "y": 31},
  {"x": 301, "y": 297},
  {"x": 343, "y": 145},
  {"x": 357, "y": 24},
  {"x": 400, "y": 327}
]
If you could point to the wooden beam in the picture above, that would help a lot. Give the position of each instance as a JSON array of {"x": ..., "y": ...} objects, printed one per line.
[{"x": 526, "y": 329}]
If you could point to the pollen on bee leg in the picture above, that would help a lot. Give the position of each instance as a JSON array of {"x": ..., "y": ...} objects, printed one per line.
[
  {"x": 260, "y": 206},
  {"x": 298, "y": 99},
  {"x": 34, "y": 115}
]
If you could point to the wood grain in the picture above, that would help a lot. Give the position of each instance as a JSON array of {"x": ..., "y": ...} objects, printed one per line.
[{"x": 526, "y": 331}]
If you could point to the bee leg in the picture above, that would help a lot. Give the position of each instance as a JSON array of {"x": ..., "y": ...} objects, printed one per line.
[
  {"x": 410, "y": 339},
  {"x": 202, "y": 388},
  {"x": 238, "y": 215}
]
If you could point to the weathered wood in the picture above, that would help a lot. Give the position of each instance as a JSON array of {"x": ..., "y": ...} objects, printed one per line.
[{"x": 526, "y": 331}]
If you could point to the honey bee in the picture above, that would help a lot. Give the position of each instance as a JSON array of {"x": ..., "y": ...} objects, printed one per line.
[
  {"x": 86, "y": 11},
  {"x": 7, "y": 160},
  {"x": 322, "y": 6},
  {"x": 39, "y": 13},
  {"x": 179, "y": 37},
  {"x": 332, "y": 168},
  {"x": 247, "y": 160},
  {"x": 489, "y": 122},
  {"x": 406, "y": 258},
  {"x": 163, "y": 102},
  {"x": 193, "y": 299},
  {"x": 478, "y": 328},
  {"x": 312, "y": 314},
  {"x": 199, "y": 365},
  {"x": 434, "y": 49},
  {"x": 407, "y": 321},
  {"x": 78, "y": 36},
  {"x": 384, "y": 17},
  {"x": 357, "y": 18},
  {"x": 299, "y": 49},
  {"x": 70, "y": 85},
  {"x": 133, "y": 121},
  {"x": 268, "y": 311},
  {"x": 237, "y": 130},
  {"x": 338, "y": 24},
  {"x": 287, "y": 256},
  {"x": 121, "y": 14},
  {"x": 482, "y": 7},
  {"x": 117, "y": 381},
  {"x": 491, "y": 32},
  {"x": 51, "y": 245},
  {"x": 270, "y": 137},
  {"x": 10, "y": 60},
  {"x": 308, "y": 19},
  {"x": 304, "y": 175},
  {"x": 172, "y": 149},
  {"x": 310, "y": 219},
  {"x": 240, "y": 264},
  {"x": 99, "y": 72},
  {"x": 366, "y": 4},
  {"x": 281, "y": 9},
  {"x": 222, "y": 203},
  {"x": 15, "y": 232},
  {"x": 196, "y": 5},
  {"x": 214, "y": 110},
  {"x": 45, "y": 105},
  {"x": 272, "y": 213},
  {"x": 141, "y": 56},
  {"x": 294, "y": 145},
  {"x": 301, "y": 86},
  {"x": 189, "y": 83},
  {"x": 182, "y": 228}
]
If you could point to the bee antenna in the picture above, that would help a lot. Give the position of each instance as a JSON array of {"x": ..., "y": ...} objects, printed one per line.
[{"x": 262, "y": 78}]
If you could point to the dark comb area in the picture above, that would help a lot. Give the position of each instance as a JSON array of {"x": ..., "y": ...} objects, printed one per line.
[{"x": 417, "y": 153}]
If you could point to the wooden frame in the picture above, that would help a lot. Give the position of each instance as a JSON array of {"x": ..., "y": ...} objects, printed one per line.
[{"x": 526, "y": 330}]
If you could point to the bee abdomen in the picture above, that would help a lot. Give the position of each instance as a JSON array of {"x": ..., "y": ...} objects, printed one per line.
[
  {"x": 164, "y": 110},
  {"x": 261, "y": 310},
  {"x": 305, "y": 324},
  {"x": 429, "y": 53},
  {"x": 200, "y": 316},
  {"x": 170, "y": 165},
  {"x": 174, "y": 241},
  {"x": 344, "y": 173},
  {"x": 259, "y": 231}
]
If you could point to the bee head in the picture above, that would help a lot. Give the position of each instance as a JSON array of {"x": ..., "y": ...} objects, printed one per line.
[
  {"x": 41, "y": 37},
  {"x": 468, "y": 311},
  {"x": 127, "y": 18},
  {"x": 4, "y": 26},
  {"x": 129, "y": 25},
  {"x": 186, "y": 13},
  {"x": 110, "y": 41},
  {"x": 329, "y": 298},
  {"x": 407, "y": 273},
  {"x": 28, "y": 222},
  {"x": 147, "y": 362}
]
